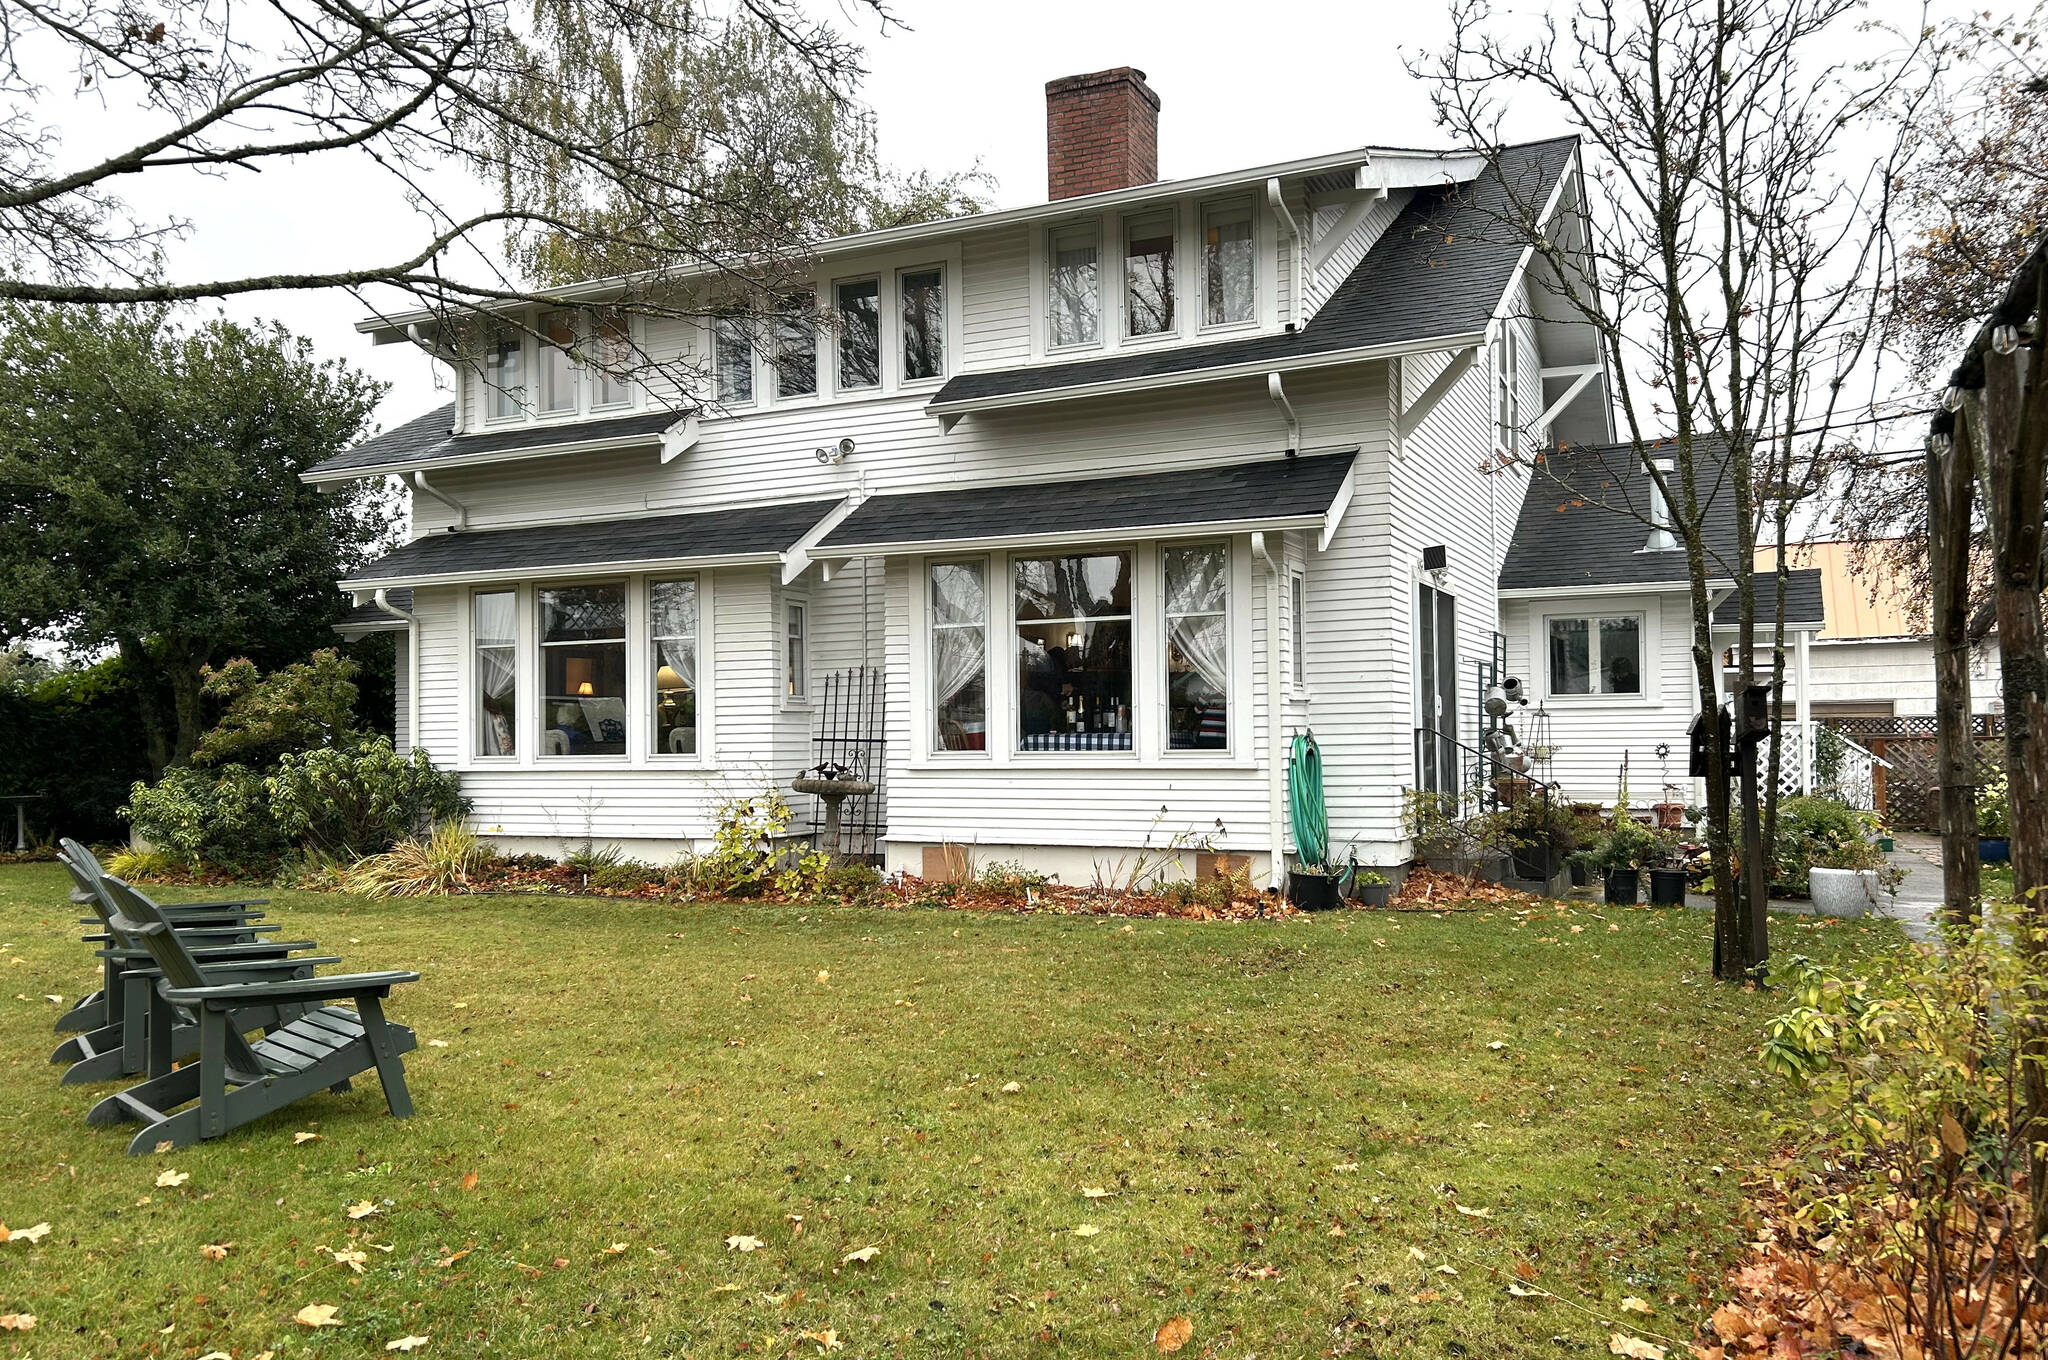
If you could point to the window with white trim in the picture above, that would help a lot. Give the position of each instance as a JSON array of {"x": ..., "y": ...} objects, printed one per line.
[
  {"x": 1073, "y": 286},
  {"x": 583, "y": 670},
  {"x": 1661, "y": 539},
  {"x": 610, "y": 385},
  {"x": 1596, "y": 654},
  {"x": 796, "y": 675},
  {"x": 1197, "y": 581},
  {"x": 495, "y": 662},
  {"x": 1298, "y": 615},
  {"x": 505, "y": 376},
  {"x": 732, "y": 359},
  {"x": 560, "y": 374},
  {"x": 1148, "y": 274},
  {"x": 672, "y": 621},
  {"x": 860, "y": 334},
  {"x": 1073, "y": 651},
  {"x": 796, "y": 346},
  {"x": 959, "y": 643},
  {"x": 1229, "y": 264},
  {"x": 1507, "y": 378},
  {"x": 921, "y": 319}
]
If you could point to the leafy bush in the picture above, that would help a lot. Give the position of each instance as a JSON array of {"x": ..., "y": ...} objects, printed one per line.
[
  {"x": 741, "y": 860},
  {"x": 1911, "y": 1148},
  {"x": 295, "y": 708},
  {"x": 1860, "y": 855},
  {"x": 1432, "y": 822},
  {"x": 1810, "y": 828},
  {"x": 1994, "y": 805},
  {"x": 803, "y": 874},
  {"x": 1627, "y": 844},
  {"x": 360, "y": 800},
  {"x": 220, "y": 817},
  {"x": 439, "y": 863},
  {"x": 626, "y": 875},
  {"x": 1009, "y": 880},
  {"x": 850, "y": 880}
]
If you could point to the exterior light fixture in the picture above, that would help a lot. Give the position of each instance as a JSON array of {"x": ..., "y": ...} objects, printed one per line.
[{"x": 2005, "y": 339}]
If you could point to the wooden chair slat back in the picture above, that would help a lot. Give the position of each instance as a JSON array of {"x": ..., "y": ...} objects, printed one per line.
[
  {"x": 142, "y": 920},
  {"x": 86, "y": 872}
]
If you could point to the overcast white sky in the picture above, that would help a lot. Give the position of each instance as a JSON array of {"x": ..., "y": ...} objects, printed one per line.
[{"x": 964, "y": 81}]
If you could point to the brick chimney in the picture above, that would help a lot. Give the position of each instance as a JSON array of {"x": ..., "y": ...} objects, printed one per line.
[{"x": 1101, "y": 132}]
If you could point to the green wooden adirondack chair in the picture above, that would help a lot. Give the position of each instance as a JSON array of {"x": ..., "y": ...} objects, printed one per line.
[
  {"x": 234, "y": 1081},
  {"x": 119, "y": 1049},
  {"x": 91, "y": 1011}
]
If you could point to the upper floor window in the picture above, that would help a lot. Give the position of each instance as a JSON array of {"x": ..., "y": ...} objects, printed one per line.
[
  {"x": 1074, "y": 300},
  {"x": 1228, "y": 268},
  {"x": 923, "y": 313},
  {"x": 1507, "y": 378},
  {"x": 860, "y": 334},
  {"x": 614, "y": 331},
  {"x": 505, "y": 375},
  {"x": 732, "y": 359},
  {"x": 796, "y": 347},
  {"x": 559, "y": 373},
  {"x": 1661, "y": 537},
  {"x": 1148, "y": 274}
]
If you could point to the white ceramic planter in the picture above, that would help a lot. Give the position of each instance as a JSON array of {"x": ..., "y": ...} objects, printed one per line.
[{"x": 1843, "y": 892}]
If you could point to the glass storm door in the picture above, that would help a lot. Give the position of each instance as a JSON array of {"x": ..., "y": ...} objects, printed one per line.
[{"x": 1436, "y": 672}]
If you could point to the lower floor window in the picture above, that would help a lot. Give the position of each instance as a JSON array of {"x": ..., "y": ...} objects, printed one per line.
[
  {"x": 1073, "y": 652},
  {"x": 959, "y": 610},
  {"x": 1197, "y": 647},
  {"x": 583, "y": 670},
  {"x": 672, "y": 625},
  {"x": 1597, "y": 654}
]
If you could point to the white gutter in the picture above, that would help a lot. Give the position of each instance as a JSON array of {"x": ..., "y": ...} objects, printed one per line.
[
  {"x": 420, "y": 483},
  {"x": 567, "y": 571},
  {"x": 1205, "y": 529},
  {"x": 1249, "y": 369},
  {"x": 1278, "y": 395},
  {"x": 1283, "y": 216},
  {"x": 412, "y": 664},
  {"x": 1276, "y": 723},
  {"x": 679, "y": 436}
]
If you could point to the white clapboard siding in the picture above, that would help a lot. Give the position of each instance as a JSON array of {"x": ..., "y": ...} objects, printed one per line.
[
  {"x": 996, "y": 297},
  {"x": 1593, "y": 734},
  {"x": 1337, "y": 266}
]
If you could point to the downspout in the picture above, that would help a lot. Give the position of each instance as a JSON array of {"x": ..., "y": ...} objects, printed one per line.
[
  {"x": 1276, "y": 770},
  {"x": 1278, "y": 395},
  {"x": 420, "y": 483},
  {"x": 1284, "y": 216},
  {"x": 381, "y": 600}
]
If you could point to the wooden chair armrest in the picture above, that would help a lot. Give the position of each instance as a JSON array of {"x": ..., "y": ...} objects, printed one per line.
[
  {"x": 223, "y": 953},
  {"x": 260, "y": 969},
  {"x": 336, "y": 987}
]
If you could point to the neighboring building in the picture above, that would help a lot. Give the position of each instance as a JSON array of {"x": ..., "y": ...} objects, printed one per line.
[
  {"x": 1135, "y": 484},
  {"x": 1875, "y": 657},
  {"x": 1596, "y": 606}
]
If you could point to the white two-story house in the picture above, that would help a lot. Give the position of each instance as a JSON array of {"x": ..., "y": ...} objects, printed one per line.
[{"x": 1115, "y": 493}]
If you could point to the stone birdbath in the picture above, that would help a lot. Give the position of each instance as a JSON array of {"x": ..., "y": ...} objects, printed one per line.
[{"x": 834, "y": 784}]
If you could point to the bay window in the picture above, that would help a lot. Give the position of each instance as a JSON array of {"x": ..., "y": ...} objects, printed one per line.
[
  {"x": 505, "y": 376},
  {"x": 1596, "y": 654},
  {"x": 1073, "y": 291},
  {"x": 496, "y": 636},
  {"x": 959, "y": 621},
  {"x": 583, "y": 670},
  {"x": 796, "y": 347},
  {"x": 1197, "y": 647},
  {"x": 672, "y": 627},
  {"x": 1228, "y": 268},
  {"x": 558, "y": 368},
  {"x": 732, "y": 359},
  {"x": 860, "y": 334},
  {"x": 1148, "y": 275},
  {"x": 1073, "y": 652},
  {"x": 922, "y": 311}
]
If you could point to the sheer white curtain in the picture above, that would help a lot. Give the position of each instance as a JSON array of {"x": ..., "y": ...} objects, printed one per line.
[
  {"x": 959, "y": 649},
  {"x": 1196, "y": 597},
  {"x": 496, "y": 671}
]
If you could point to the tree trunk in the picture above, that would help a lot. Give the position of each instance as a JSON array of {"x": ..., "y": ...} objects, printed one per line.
[
  {"x": 183, "y": 670},
  {"x": 2015, "y": 456},
  {"x": 156, "y": 723},
  {"x": 1949, "y": 487}
]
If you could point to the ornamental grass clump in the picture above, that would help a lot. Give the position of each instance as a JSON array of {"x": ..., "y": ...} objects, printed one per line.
[{"x": 443, "y": 861}]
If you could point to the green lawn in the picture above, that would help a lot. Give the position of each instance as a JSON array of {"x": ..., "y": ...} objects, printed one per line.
[{"x": 1282, "y": 1114}]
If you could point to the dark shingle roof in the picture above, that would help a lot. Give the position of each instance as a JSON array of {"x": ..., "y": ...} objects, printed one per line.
[
  {"x": 742, "y": 531},
  {"x": 369, "y": 618},
  {"x": 1580, "y": 523},
  {"x": 1440, "y": 269},
  {"x": 1803, "y": 601},
  {"x": 1279, "y": 489},
  {"x": 425, "y": 441}
]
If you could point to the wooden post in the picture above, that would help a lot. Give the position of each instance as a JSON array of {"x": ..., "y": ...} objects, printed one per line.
[{"x": 1948, "y": 552}]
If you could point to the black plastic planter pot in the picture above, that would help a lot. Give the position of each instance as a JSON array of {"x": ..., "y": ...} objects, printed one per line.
[
  {"x": 1312, "y": 892},
  {"x": 1667, "y": 887},
  {"x": 1373, "y": 894},
  {"x": 1579, "y": 876},
  {"x": 1622, "y": 886},
  {"x": 1994, "y": 849},
  {"x": 1534, "y": 861}
]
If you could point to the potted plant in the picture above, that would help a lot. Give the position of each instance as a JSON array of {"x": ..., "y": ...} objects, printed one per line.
[
  {"x": 1844, "y": 880},
  {"x": 1313, "y": 887},
  {"x": 1443, "y": 841},
  {"x": 1667, "y": 872},
  {"x": 1620, "y": 855},
  {"x": 1370, "y": 887},
  {"x": 1537, "y": 833},
  {"x": 1994, "y": 819}
]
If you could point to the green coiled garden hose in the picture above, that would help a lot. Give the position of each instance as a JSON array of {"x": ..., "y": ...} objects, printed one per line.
[{"x": 1305, "y": 808}]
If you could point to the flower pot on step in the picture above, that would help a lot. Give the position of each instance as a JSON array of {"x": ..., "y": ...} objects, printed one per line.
[
  {"x": 1843, "y": 892},
  {"x": 1622, "y": 886}
]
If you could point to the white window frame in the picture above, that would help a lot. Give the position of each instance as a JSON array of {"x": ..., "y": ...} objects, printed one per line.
[
  {"x": 1107, "y": 318},
  {"x": 648, "y": 738},
  {"x": 771, "y": 394},
  {"x": 883, "y": 331},
  {"x": 1661, "y": 538},
  {"x": 1147, "y": 669},
  {"x": 491, "y": 390},
  {"x": 594, "y": 375},
  {"x": 529, "y": 330},
  {"x": 472, "y": 707},
  {"x": 633, "y": 698},
  {"x": 1644, "y": 615},
  {"x": 786, "y": 601},
  {"x": 1171, "y": 215},
  {"x": 1297, "y": 640},
  {"x": 895, "y": 300},
  {"x": 1201, "y": 265},
  {"x": 715, "y": 328},
  {"x": 1231, "y": 708},
  {"x": 928, "y": 689}
]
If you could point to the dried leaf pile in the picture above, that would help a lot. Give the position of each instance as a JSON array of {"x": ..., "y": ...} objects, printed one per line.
[{"x": 1429, "y": 889}]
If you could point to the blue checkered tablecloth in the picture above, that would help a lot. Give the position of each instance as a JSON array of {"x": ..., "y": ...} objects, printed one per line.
[{"x": 1076, "y": 741}]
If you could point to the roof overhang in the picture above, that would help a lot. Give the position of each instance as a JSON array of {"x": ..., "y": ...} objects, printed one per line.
[
  {"x": 951, "y": 411},
  {"x": 1607, "y": 588},
  {"x": 567, "y": 571},
  {"x": 672, "y": 440},
  {"x": 1373, "y": 168}
]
